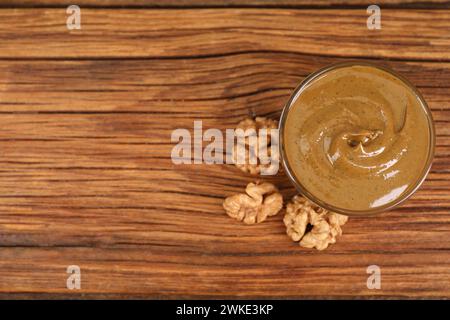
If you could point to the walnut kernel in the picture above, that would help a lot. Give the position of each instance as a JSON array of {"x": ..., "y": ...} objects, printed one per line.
[
  {"x": 251, "y": 147},
  {"x": 326, "y": 226},
  {"x": 260, "y": 201}
]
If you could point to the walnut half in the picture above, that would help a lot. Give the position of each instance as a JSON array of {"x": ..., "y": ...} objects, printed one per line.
[
  {"x": 326, "y": 226},
  {"x": 260, "y": 201},
  {"x": 242, "y": 153}
]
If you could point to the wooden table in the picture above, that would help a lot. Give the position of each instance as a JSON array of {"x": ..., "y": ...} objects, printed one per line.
[{"x": 86, "y": 176}]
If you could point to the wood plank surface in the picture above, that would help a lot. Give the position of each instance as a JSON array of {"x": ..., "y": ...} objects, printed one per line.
[
  {"x": 86, "y": 176},
  {"x": 227, "y": 3},
  {"x": 105, "y": 33}
]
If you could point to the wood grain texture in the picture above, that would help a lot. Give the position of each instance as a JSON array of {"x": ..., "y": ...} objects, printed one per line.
[
  {"x": 406, "y": 34},
  {"x": 86, "y": 176},
  {"x": 227, "y": 3}
]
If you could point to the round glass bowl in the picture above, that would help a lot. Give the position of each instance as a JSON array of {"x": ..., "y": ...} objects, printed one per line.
[{"x": 312, "y": 93}]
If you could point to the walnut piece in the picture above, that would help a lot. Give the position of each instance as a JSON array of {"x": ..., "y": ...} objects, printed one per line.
[
  {"x": 242, "y": 154},
  {"x": 261, "y": 201},
  {"x": 326, "y": 226}
]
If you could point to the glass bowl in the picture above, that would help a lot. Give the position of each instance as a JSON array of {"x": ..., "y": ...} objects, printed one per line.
[{"x": 322, "y": 202}]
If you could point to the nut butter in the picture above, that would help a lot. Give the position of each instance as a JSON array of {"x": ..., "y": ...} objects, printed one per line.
[{"x": 356, "y": 138}]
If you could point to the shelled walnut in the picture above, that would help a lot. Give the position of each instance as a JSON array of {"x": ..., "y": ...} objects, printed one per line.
[
  {"x": 252, "y": 148},
  {"x": 326, "y": 226},
  {"x": 260, "y": 201}
]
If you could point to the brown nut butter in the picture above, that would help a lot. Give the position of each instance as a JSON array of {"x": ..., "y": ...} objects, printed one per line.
[{"x": 357, "y": 138}]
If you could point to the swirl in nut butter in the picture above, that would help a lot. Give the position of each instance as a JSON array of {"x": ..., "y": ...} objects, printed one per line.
[{"x": 357, "y": 137}]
